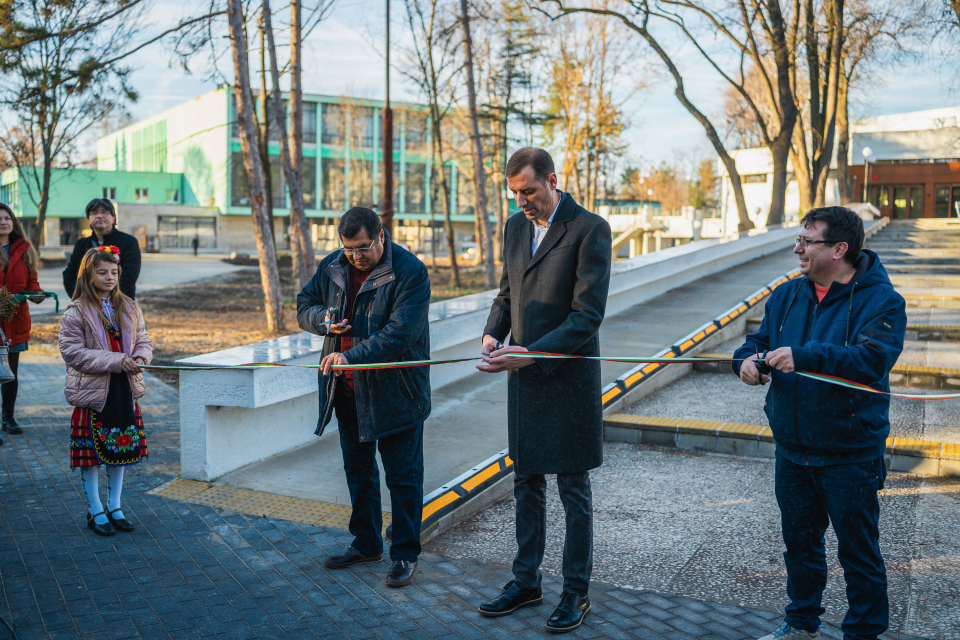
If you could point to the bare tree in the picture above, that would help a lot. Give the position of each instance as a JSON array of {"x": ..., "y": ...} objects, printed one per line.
[
  {"x": 479, "y": 172},
  {"x": 253, "y": 166},
  {"x": 637, "y": 18},
  {"x": 432, "y": 67},
  {"x": 300, "y": 248}
]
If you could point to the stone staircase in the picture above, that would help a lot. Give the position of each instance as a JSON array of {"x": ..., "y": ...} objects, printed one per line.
[{"x": 924, "y": 247}]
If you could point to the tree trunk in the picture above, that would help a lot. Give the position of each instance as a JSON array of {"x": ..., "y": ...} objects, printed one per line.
[
  {"x": 298, "y": 215},
  {"x": 37, "y": 233},
  {"x": 264, "y": 135},
  {"x": 298, "y": 228},
  {"x": 845, "y": 181},
  {"x": 445, "y": 194},
  {"x": 780, "y": 150},
  {"x": 269, "y": 277}
]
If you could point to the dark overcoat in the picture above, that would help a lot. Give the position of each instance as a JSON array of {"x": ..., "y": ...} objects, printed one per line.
[{"x": 554, "y": 301}]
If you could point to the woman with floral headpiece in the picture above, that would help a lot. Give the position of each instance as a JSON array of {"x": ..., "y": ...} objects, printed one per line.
[{"x": 104, "y": 342}]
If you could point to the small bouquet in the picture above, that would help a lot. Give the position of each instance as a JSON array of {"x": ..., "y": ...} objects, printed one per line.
[{"x": 9, "y": 305}]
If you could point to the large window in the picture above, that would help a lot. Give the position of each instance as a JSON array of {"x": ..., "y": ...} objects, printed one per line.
[
  {"x": 362, "y": 126},
  {"x": 309, "y": 122},
  {"x": 361, "y": 183},
  {"x": 332, "y": 176},
  {"x": 415, "y": 188},
  {"x": 334, "y": 124},
  {"x": 179, "y": 231},
  {"x": 239, "y": 194},
  {"x": 464, "y": 193},
  {"x": 416, "y": 131},
  {"x": 309, "y": 183},
  {"x": 436, "y": 192}
]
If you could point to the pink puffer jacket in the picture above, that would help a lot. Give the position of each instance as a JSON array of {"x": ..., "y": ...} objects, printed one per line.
[{"x": 86, "y": 351}]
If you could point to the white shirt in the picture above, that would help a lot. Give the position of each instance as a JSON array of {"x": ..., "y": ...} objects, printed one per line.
[{"x": 540, "y": 230}]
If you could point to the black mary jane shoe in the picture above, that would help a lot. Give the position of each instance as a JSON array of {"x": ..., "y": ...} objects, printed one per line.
[
  {"x": 401, "y": 573},
  {"x": 11, "y": 426},
  {"x": 349, "y": 557},
  {"x": 569, "y": 614},
  {"x": 513, "y": 597},
  {"x": 105, "y": 529},
  {"x": 120, "y": 524}
]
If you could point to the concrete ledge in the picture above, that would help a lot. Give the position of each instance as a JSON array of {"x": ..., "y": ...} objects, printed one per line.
[{"x": 921, "y": 457}]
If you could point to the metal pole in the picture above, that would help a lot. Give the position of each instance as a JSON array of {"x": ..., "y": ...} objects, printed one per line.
[
  {"x": 386, "y": 131},
  {"x": 866, "y": 179}
]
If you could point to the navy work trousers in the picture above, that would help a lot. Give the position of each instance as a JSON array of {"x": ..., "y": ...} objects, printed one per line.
[
  {"x": 844, "y": 495},
  {"x": 530, "y": 490},
  {"x": 402, "y": 456}
]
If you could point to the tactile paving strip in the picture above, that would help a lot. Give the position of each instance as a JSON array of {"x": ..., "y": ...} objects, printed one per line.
[{"x": 321, "y": 514}]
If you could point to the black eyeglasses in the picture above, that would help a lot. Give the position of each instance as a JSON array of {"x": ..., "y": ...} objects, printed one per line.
[{"x": 806, "y": 242}]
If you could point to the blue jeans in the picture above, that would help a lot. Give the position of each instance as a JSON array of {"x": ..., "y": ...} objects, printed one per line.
[
  {"x": 530, "y": 490},
  {"x": 402, "y": 455},
  {"x": 844, "y": 495}
]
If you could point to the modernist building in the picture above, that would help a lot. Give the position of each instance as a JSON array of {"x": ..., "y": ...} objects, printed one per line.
[
  {"x": 914, "y": 170},
  {"x": 180, "y": 174}
]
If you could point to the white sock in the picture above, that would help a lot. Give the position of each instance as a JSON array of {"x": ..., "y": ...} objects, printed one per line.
[
  {"x": 91, "y": 487},
  {"x": 114, "y": 487}
]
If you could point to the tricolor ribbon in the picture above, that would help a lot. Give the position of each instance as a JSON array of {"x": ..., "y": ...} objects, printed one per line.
[{"x": 849, "y": 384}]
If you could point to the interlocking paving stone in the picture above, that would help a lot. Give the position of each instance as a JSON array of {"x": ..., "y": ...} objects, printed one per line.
[{"x": 195, "y": 571}]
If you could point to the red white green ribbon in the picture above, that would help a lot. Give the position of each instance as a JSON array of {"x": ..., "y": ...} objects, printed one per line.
[{"x": 849, "y": 384}]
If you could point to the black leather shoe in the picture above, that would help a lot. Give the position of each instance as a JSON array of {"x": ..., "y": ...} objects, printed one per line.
[
  {"x": 100, "y": 529},
  {"x": 569, "y": 614},
  {"x": 121, "y": 524},
  {"x": 401, "y": 573},
  {"x": 11, "y": 426},
  {"x": 349, "y": 557},
  {"x": 513, "y": 597}
]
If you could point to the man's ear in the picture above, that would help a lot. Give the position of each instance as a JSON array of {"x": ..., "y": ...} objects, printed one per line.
[{"x": 840, "y": 250}]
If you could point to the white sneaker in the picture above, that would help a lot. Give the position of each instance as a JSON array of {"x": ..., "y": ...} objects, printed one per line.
[{"x": 786, "y": 632}]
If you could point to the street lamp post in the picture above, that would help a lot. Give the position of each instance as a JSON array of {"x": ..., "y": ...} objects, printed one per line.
[
  {"x": 386, "y": 131},
  {"x": 867, "y": 152}
]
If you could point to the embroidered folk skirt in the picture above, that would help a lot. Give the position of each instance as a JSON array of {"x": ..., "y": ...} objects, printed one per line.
[{"x": 114, "y": 436}]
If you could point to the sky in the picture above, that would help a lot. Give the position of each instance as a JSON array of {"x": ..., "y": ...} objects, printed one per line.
[{"x": 343, "y": 56}]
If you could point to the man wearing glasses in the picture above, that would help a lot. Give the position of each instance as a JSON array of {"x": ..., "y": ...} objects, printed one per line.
[
  {"x": 371, "y": 300},
  {"x": 844, "y": 319},
  {"x": 103, "y": 224}
]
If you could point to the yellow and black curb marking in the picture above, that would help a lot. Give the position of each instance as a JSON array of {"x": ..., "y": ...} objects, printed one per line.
[
  {"x": 900, "y": 376},
  {"x": 255, "y": 503},
  {"x": 922, "y": 457},
  {"x": 464, "y": 488}
]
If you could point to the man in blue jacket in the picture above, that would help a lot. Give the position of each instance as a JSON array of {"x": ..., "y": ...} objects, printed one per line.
[
  {"x": 844, "y": 319},
  {"x": 371, "y": 300}
]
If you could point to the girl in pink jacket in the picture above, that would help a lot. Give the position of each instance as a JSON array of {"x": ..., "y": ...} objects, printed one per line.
[{"x": 104, "y": 342}]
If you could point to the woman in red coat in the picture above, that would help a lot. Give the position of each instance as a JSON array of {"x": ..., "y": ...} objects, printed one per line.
[{"x": 18, "y": 272}]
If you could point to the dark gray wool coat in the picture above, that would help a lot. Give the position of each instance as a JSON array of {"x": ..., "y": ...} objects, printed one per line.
[{"x": 554, "y": 302}]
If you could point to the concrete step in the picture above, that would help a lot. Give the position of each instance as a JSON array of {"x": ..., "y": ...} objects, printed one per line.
[
  {"x": 925, "y": 332},
  {"x": 921, "y": 457},
  {"x": 932, "y": 301},
  {"x": 938, "y": 281}
]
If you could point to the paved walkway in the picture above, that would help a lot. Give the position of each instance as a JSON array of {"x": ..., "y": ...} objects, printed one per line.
[{"x": 193, "y": 571}]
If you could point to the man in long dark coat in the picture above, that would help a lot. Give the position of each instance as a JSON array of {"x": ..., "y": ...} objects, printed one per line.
[{"x": 553, "y": 293}]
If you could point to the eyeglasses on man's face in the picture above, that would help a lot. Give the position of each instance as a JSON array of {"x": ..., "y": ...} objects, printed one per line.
[
  {"x": 101, "y": 213},
  {"x": 806, "y": 242},
  {"x": 360, "y": 251}
]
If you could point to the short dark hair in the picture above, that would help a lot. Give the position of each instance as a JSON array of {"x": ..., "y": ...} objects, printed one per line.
[
  {"x": 100, "y": 203},
  {"x": 534, "y": 157},
  {"x": 357, "y": 219},
  {"x": 843, "y": 225}
]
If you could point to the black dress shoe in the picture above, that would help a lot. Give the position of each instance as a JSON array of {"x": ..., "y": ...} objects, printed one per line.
[
  {"x": 121, "y": 524},
  {"x": 104, "y": 529},
  {"x": 401, "y": 573},
  {"x": 569, "y": 614},
  {"x": 11, "y": 426},
  {"x": 513, "y": 597},
  {"x": 349, "y": 557}
]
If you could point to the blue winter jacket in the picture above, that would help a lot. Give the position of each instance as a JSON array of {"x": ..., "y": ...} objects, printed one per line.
[
  {"x": 391, "y": 321},
  {"x": 856, "y": 333}
]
